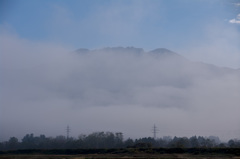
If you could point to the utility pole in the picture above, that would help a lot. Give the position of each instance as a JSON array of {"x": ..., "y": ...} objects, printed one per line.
[
  {"x": 119, "y": 135},
  {"x": 68, "y": 131},
  {"x": 155, "y": 131}
]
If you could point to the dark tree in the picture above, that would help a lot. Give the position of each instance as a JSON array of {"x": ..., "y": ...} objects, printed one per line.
[{"x": 13, "y": 143}]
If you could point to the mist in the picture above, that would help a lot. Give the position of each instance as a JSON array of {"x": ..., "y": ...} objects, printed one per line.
[{"x": 46, "y": 86}]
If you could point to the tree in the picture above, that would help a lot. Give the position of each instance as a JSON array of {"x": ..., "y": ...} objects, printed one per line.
[
  {"x": 129, "y": 143},
  {"x": 231, "y": 143},
  {"x": 13, "y": 143},
  {"x": 194, "y": 142},
  {"x": 28, "y": 141},
  {"x": 182, "y": 142}
]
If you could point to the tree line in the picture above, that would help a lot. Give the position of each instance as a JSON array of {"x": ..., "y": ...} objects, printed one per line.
[{"x": 107, "y": 140}]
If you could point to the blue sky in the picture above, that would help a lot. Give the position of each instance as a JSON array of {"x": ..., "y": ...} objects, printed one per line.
[
  {"x": 173, "y": 24},
  {"x": 179, "y": 25}
]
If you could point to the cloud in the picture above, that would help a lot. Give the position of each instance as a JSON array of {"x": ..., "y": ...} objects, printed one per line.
[
  {"x": 45, "y": 87},
  {"x": 237, "y": 4},
  {"x": 235, "y": 21}
]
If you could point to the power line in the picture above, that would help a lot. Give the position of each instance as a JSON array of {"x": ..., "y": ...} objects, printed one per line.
[
  {"x": 155, "y": 131},
  {"x": 68, "y": 131}
]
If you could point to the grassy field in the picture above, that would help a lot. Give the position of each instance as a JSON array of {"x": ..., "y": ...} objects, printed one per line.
[
  {"x": 151, "y": 153},
  {"x": 121, "y": 156}
]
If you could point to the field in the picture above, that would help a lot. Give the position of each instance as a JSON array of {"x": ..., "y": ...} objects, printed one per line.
[
  {"x": 225, "y": 153},
  {"x": 125, "y": 156}
]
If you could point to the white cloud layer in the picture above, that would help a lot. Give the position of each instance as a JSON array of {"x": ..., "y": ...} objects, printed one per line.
[
  {"x": 44, "y": 87},
  {"x": 237, "y": 19},
  {"x": 236, "y": 4},
  {"x": 234, "y": 21}
]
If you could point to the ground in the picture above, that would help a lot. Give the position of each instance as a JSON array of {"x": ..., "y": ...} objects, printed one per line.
[{"x": 121, "y": 156}]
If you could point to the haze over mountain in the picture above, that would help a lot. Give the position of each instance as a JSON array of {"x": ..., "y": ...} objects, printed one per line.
[
  {"x": 58, "y": 67},
  {"x": 117, "y": 89}
]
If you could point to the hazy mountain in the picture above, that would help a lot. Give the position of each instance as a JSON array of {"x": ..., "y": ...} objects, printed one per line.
[
  {"x": 93, "y": 90},
  {"x": 167, "y": 57},
  {"x": 162, "y": 52},
  {"x": 156, "y": 78}
]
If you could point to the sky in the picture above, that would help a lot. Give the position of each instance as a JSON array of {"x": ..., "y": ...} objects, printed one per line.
[
  {"x": 182, "y": 26},
  {"x": 44, "y": 87}
]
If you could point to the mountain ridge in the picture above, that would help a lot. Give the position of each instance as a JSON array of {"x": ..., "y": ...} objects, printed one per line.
[{"x": 158, "y": 53}]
